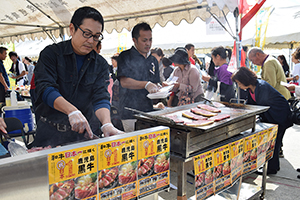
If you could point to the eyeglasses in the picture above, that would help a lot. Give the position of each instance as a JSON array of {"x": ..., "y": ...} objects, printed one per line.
[{"x": 86, "y": 34}]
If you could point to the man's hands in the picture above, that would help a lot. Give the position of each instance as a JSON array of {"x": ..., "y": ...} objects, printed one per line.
[
  {"x": 109, "y": 130},
  {"x": 79, "y": 123},
  {"x": 2, "y": 126},
  {"x": 151, "y": 87}
]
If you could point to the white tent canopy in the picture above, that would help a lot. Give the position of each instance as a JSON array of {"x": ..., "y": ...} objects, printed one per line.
[{"x": 37, "y": 18}]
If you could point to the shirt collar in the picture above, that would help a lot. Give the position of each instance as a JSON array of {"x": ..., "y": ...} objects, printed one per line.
[
  {"x": 148, "y": 54},
  {"x": 69, "y": 50},
  {"x": 265, "y": 60}
]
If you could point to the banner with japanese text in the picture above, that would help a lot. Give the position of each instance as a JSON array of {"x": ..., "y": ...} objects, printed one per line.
[
  {"x": 204, "y": 179},
  {"x": 236, "y": 150},
  {"x": 153, "y": 162},
  {"x": 250, "y": 153},
  {"x": 222, "y": 175},
  {"x": 73, "y": 174},
  {"x": 262, "y": 139},
  {"x": 117, "y": 168}
]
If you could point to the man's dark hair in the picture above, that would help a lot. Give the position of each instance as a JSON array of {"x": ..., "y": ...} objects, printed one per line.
[
  {"x": 189, "y": 46},
  {"x": 12, "y": 53},
  {"x": 86, "y": 13},
  {"x": 244, "y": 76},
  {"x": 140, "y": 26},
  {"x": 3, "y": 49}
]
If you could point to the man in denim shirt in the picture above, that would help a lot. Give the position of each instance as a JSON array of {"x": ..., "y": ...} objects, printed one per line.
[{"x": 71, "y": 85}]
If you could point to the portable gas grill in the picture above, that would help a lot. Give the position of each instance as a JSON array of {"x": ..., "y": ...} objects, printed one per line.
[{"x": 186, "y": 140}]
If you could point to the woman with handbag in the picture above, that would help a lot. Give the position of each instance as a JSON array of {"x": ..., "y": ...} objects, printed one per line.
[
  {"x": 188, "y": 87},
  {"x": 259, "y": 92}
]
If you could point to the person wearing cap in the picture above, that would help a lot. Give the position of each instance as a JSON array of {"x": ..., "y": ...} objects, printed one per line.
[
  {"x": 30, "y": 67},
  {"x": 71, "y": 86},
  {"x": 188, "y": 76},
  {"x": 138, "y": 74}
]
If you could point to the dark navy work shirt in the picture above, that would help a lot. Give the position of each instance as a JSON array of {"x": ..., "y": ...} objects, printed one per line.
[
  {"x": 4, "y": 74},
  {"x": 266, "y": 95},
  {"x": 57, "y": 68},
  {"x": 134, "y": 65}
]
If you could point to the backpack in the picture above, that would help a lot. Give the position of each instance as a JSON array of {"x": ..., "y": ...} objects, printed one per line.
[{"x": 295, "y": 108}]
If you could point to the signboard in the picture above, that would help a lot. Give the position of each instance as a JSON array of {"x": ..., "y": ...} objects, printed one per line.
[
  {"x": 250, "y": 153},
  {"x": 204, "y": 179},
  {"x": 117, "y": 169},
  {"x": 262, "y": 139},
  {"x": 222, "y": 168},
  {"x": 236, "y": 164},
  {"x": 73, "y": 174},
  {"x": 272, "y": 133},
  {"x": 153, "y": 162}
]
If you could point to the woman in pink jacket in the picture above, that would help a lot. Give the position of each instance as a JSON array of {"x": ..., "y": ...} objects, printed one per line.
[{"x": 188, "y": 77}]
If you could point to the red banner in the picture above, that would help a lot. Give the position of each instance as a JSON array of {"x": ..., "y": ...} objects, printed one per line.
[{"x": 248, "y": 14}]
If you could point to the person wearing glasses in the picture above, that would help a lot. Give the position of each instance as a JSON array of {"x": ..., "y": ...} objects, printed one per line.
[{"x": 71, "y": 85}]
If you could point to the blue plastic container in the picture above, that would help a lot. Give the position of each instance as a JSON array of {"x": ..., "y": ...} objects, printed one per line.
[{"x": 23, "y": 113}]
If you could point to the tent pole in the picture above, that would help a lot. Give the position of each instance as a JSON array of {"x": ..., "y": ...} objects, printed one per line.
[
  {"x": 237, "y": 49},
  {"x": 61, "y": 33}
]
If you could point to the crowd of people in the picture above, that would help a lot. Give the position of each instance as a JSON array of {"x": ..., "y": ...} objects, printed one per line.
[{"x": 70, "y": 83}]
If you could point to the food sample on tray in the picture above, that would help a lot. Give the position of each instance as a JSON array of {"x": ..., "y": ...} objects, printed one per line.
[
  {"x": 190, "y": 115},
  {"x": 209, "y": 108},
  {"x": 61, "y": 190},
  {"x": 203, "y": 112},
  {"x": 145, "y": 166},
  {"x": 86, "y": 186},
  {"x": 220, "y": 117},
  {"x": 127, "y": 173},
  {"x": 107, "y": 177},
  {"x": 199, "y": 122},
  {"x": 174, "y": 118},
  {"x": 162, "y": 162}
]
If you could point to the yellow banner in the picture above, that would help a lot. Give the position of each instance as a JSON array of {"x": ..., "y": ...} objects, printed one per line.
[
  {"x": 236, "y": 164},
  {"x": 154, "y": 162},
  {"x": 153, "y": 144},
  {"x": 117, "y": 152},
  {"x": 261, "y": 21},
  {"x": 73, "y": 170}
]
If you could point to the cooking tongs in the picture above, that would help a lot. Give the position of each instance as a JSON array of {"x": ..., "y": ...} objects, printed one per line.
[
  {"x": 209, "y": 101},
  {"x": 155, "y": 117}
]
